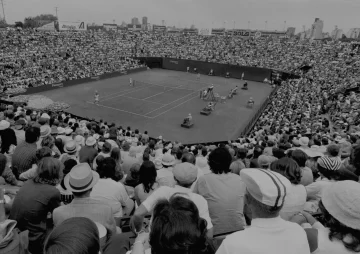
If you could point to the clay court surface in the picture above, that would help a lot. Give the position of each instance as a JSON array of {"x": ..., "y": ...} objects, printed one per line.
[{"x": 161, "y": 99}]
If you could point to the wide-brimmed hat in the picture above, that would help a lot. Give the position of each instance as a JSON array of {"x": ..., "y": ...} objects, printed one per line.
[
  {"x": 304, "y": 141},
  {"x": 68, "y": 131},
  {"x": 81, "y": 178},
  {"x": 342, "y": 201},
  {"x": 45, "y": 130},
  {"x": 79, "y": 140},
  {"x": 70, "y": 147},
  {"x": 90, "y": 141},
  {"x": 54, "y": 130},
  {"x": 19, "y": 124},
  {"x": 4, "y": 125},
  {"x": 61, "y": 130}
]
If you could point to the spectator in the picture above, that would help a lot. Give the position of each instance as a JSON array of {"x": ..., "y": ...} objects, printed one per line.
[
  {"x": 6, "y": 175},
  {"x": 185, "y": 175},
  {"x": 177, "y": 227},
  {"x": 224, "y": 192},
  {"x": 147, "y": 182},
  {"x": 74, "y": 236},
  {"x": 105, "y": 152},
  {"x": 66, "y": 195},
  {"x": 339, "y": 206},
  {"x": 265, "y": 195},
  {"x": 306, "y": 173},
  {"x": 239, "y": 163},
  {"x": 88, "y": 152},
  {"x": 296, "y": 193},
  {"x": 71, "y": 152},
  {"x": 25, "y": 154},
  {"x": 129, "y": 159},
  {"x": 132, "y": 179},
  {"x": 80, "y": 182},
  {"x": 19, "y": 131},
  {"x": 113, "y": 193},
  {"x": 265, "y": 161},
  {"x": 165, "y": 176},
  {"x": 35, "y": 200}
]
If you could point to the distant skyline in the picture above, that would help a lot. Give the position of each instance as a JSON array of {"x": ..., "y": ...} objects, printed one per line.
[{"x": 203, "y": 13}]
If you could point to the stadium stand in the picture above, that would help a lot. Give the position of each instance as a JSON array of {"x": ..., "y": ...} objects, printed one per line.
[{"x": 293, "y": 174}]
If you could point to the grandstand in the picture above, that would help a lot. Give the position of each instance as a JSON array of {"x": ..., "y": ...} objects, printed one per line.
[{"x": 111, "y": 163}]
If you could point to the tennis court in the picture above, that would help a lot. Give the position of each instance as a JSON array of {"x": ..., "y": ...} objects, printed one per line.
[{"x": 159, "y": 101}]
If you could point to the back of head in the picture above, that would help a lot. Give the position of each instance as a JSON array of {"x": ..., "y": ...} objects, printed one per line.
[
  {"x": 220, "y": 160},
  {"x": 288, "y": 168},
  {"x": 178, "y": 228},
  {"x": 73, "y": 236},
  {"x": 115, "y": 153},
  {"x": 299, "y": 156},
  {"x": 188, "y": 157},
  {"x": 32, "y": 134},
  {"x": 147, "y": 175},
  {"x": 49, "y": 171},
  {"x": 107, "y": 168}
]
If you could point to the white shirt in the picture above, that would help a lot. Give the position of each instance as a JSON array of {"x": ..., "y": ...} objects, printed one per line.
[
  {"x": 112, "y": 193},
  {"x": 267, "y": 236},
  {"x": 166, "y": 192},
  {"x": 294, "y": 201}
]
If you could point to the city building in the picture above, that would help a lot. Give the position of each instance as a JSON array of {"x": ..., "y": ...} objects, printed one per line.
[
  {"x": 316, "y": 31},
  {"x": 337, "y": 33},
  {"x": 290, "y": 31},
  {"x": 353, "y": 33},
  {"x": 144, "y": 21},
  {"x": 135, "y": 21}
]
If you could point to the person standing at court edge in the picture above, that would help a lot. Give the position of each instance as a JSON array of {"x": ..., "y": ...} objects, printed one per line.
[{"x": 268, "y": 233}]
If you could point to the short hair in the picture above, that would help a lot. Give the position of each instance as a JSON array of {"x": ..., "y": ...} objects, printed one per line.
[
  {"x": 107, "y": 168},
  {"x": 177, "y": 227},
  {"x": 300, "y": 157},
  {"x": 115, "y": 154},
  {"x": 265, "y": 211},
  {"x": 288, "y": 168},
  {"x": 49, "y": 171},
  {"x": 76, "y": 235},
  {"x": 242, "y": 153},
  {"x": 220, "y": 160},
  {"x": 32, "y": 134},
  {"x": 43, "y": 152},
  {"x": 333, "y": 150},
  {"x": 147, "y": 175},
  {"x": 48, "y": 141},
  {"x": 188, "y": 157},
  {"x": 257, "y": 152}
]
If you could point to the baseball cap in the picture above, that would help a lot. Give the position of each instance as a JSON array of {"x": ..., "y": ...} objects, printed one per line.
[
  {"x": 267, "y": 187},
  {"x": 185, "y": 173}
]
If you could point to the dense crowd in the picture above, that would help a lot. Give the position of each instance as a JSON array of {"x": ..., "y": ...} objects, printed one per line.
[{"x": 80, "y": 186}]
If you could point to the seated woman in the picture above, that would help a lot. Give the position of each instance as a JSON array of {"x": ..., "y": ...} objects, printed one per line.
[
  {"x": 188, "y": 119},
  {"x": 176, "y": 228}
]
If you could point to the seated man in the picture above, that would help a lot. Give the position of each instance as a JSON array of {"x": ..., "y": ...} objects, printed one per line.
[
  {"x": 227, "y": 75},
  {"x": 195, "y": 70},
  {"x": 188, "y": 69},
  {"x": 211, "y": 73},
  {"x": 209, "y": 107},
  {"x": 245, "y": 87},
  {"x": 188, "y": 119}
]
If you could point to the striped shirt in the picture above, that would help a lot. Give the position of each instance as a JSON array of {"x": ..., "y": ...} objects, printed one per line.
[{"x": 24, "y": 157}]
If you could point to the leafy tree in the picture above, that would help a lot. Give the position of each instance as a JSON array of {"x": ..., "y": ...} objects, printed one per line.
[{"x": 40, "y": 20}]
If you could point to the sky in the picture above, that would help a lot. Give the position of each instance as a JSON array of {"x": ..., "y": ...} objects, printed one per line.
[{"x": 203, "y": 13}]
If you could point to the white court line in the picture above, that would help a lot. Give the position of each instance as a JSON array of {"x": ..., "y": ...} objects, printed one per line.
[
  {"x": 177, "y": 100},
  {"x": 176, "y": 106},
  {"x": 151, "y": 84},
  {"x": 118, "y": 95},
  {"x": 110, "y": 95},
  {"x": 132, "y": 113},
  {"x": 138, "y": 99},
  {"x": 162, "y": 92}
]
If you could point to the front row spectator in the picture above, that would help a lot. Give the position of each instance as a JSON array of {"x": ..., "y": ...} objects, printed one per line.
[
  {"x": 80, "y": 182},
  {"x": 176, "y": 228},
  {"x": 74, "y": 236},
  {"x": 35, "y": 200},
  {"x": 268, "y": 233}
]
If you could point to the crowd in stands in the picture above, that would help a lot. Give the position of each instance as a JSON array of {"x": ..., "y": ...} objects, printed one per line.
[{"x": 80, "y": 186}]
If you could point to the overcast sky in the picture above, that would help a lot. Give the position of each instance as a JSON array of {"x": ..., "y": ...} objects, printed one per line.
[{"x": 204, "y": 13}]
